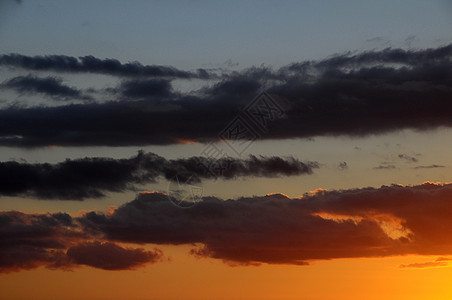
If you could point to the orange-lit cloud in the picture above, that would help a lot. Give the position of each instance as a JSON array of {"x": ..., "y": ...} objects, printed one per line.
[
  {"x": 369, "y": 222},
  {"x": 429, "y": 264},
  {"x": 186, "y": 141}
]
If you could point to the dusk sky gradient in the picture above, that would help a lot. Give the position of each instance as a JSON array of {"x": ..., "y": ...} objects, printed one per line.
[{"x": 225, "y": 150}]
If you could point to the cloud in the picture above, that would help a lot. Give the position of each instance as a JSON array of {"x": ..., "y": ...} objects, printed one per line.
[
  {"x": 408, "y": 158},
  {"x": 157, "y": 88},
  {"x": 385, "y": 167},
  {"x": 368, "y": 222},
  {"x": 271, "y": 229},
  {"x": 429, "y": 167},
  {"x": 275, "y": 229},
  {"x": 430, "y": 264},
  {"x": 91, "y": 64},
  {"x": 28, "y": 241},
  {"x": 443, "y": 259},
  {"x": 92, "y": 177},
  {"x": 348, "y": 94},
  {"x": 343, "y": 165},
  {"x": 109, "y": 256},
  {"x": 50, "y": 86}
]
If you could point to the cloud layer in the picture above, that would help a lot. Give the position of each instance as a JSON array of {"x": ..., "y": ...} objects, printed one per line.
[
  {"x": 350, "y": 94},
  {"x": 368, "y": 222}
]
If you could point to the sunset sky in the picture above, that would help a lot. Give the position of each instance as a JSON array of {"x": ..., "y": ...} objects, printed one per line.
[{"x": 225, "y": 150}]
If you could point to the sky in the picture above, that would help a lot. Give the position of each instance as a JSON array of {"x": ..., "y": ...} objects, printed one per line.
[{"x": 218, "y": 150}]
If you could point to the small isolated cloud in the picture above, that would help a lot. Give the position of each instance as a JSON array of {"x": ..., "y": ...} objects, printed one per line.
[
  {"x": 379, "y": 40},
  {"x": 385, "y": 167},
  {"x": 429, "y": 167},
  {"x": 429, "y": 264},
  {"x": 342, "y": 165},
  {"x": 408, "y": 158},
  {"x": 443, "y": 259}
]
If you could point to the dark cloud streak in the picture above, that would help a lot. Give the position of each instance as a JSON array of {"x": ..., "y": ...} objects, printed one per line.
[
  {"x": 91, "y": 64},
  {"x": 93, "y": 177},
  {"x": 50, "y": 86}
]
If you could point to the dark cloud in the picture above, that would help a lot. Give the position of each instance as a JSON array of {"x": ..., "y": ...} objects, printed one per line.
[
  {"x": 385, "y": 167},
  {"x": 395, "y": 56},
  {"x": 342, "y": 165},
  {"x": 110, "y": 124},
  {"x": 155, "y": 88},
  {"x": 369, "y": 222},
  {"x": 28, "y": 241},
  {"x": 109, "y": 256},
  {"x": 271, "y": 229},
  {"x": 429, "y": 167},
  {"x": 351, "y": 94},
  {"x": 92, "y": 177},
  {"x": 91, "y": 64},
  {"x": 50, "y": 86},
  {"x": 408, "y": 158}
]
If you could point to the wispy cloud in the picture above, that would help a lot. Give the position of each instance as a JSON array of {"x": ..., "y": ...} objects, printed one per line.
[
  {"x": 385, "y": 167},
  {"x": 429, "y": 264},
  {"x": 429, "y": 167},
  {"x": 49, "y": 86},
  {"x": 408, "y": 158},
  {"x": 91, "y": 64}
]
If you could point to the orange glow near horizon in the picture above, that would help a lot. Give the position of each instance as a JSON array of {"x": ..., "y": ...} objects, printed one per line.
[
  {"x": 208, "y": 279},
  {"x": 276, "y": 194},
  {"x": 151, "y": 192},
  {"x": 183, "y": 276},
  {"x": 185, "y": 141}
]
